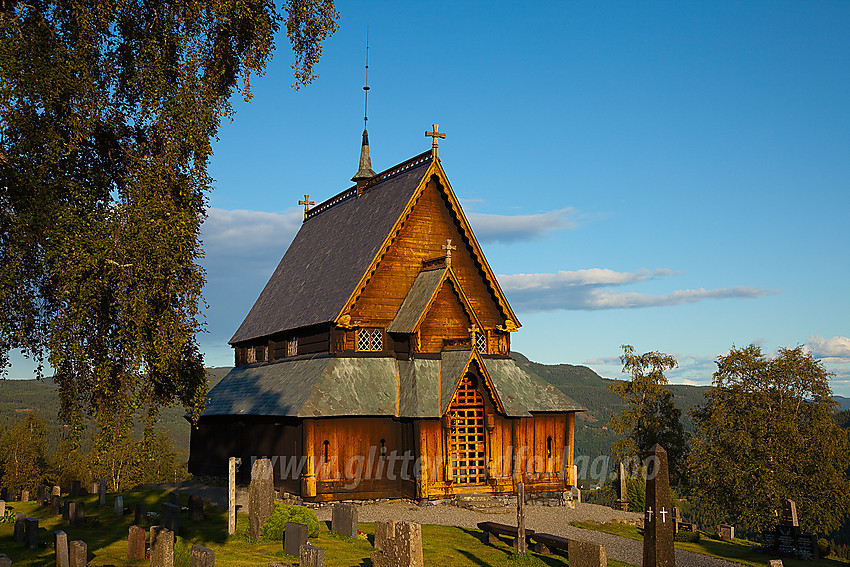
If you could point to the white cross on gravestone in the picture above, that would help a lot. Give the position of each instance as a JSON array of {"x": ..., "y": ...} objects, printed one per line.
[
  {"x": 649, "y": 514},
  {"x": 663, "y": 515}
]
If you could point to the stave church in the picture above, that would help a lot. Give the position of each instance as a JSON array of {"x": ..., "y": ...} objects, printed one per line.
[{"x": 376, "y": 361}]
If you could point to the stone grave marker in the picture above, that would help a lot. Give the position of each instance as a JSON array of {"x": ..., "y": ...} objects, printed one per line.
[
  {"x": 202, "y": 557},
  {"x": 658, "y": 548},
  {"x": 41, "y": 495},
  {"x": 56, "y": 507},
  {"x": 162, "y": 547},
  {"x": 169, "y": 517},
  {"x": 260, "y": 496},
  {"x": 383, "y": 531},
  {"x": 520, "y": 542},
  {"x": 196, "y": 508},
  {"x": 787, "y": 539},
  {"x": 789, "y": 514},
  {"x": 94, "y": 488},
  {"x": 25, "y": 495},
  {"x": 774, "y": 563},
  {"x": 20, "y": 527},
  {"x": 677, "y": 519},
  {"x": 622, "y": 502},
  {"x": 5, "y": 561},
  {"x": 101, "y": 492},
  {"x": 31, "y": 532},
  {"x": 118, "y": 506},
  {"x": 56, "y": 491},
  {"x": 60, "y": 547},
  {"x": 78, "y": 554},
  {"x": 232, "y": 464},
  {"x": 588, "y": 554},
  {"x": 401, "y": 548},
  {"x": 2, "y": 508},
  {"x": 136, "y": 543},
  {"x": 75, "y": 488},
  {"x": 344, "y": 520},
  {"x": 141, "y": 513},
  {"x": 726, "y": 531},
  {"x": 294, "y": 536},
  {"x": 309, "y": 556},
  {"x": 66, "y": 511},
  {"x": 77, "y": 513}
]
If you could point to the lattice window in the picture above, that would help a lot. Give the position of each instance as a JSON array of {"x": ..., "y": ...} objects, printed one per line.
[
  {"x": 468, "y": 451},
  {"x": 292, "y": 346},
  {"x": 370, "y": 339},
  {"x": 251, "y": 355},
  {"x": 481, "y": 342}
]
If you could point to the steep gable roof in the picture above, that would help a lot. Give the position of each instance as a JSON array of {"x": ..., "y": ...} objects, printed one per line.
[{"x": 329, "y": 255}]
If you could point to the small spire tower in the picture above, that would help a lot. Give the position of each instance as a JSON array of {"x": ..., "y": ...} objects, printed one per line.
[{"x": 365, "y": 173}]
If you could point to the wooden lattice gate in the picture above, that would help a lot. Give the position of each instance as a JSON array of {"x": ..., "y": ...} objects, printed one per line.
[{"x": 466, "y": 438}]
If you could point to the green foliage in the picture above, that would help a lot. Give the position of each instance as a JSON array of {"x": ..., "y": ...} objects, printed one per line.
[
  {"x": 650, "y": 416},
  {"x": 823, "y": 548},
  {"x": 276, "y": 524},
  {"x": 690, "y": 537},
  {"x": 107, "y": 113},
  {"x": 22, "y": 454},
  {"x": 636, "y": 487},
  {"x": 766, "y": 434}
]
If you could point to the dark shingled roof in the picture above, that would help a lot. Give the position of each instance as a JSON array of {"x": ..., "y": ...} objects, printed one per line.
[
  {"x": 349, "y": 386},
  {"x": 423, "y": 289},
  {"x": 328, "y": 256}
]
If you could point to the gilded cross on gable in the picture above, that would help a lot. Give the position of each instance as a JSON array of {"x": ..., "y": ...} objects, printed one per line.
[
  {"x": 306, "y": 202},
  {"x": 435, "y": 135},
  {"x": 448, "y": 248},
  {"x": 473, "y": 329}
]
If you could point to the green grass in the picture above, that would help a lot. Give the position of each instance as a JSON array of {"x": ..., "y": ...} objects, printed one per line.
[
  {"x": 106, "y": 537},
  {"x": 739, "y": 550}
]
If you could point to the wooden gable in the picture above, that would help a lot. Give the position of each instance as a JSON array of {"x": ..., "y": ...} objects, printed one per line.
[{"x": 432, "y": 217}]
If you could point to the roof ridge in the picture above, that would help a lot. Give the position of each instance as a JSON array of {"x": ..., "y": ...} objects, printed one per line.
[{"x": 384, "y": 175}]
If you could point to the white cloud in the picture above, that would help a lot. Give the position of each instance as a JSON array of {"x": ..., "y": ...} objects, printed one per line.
[
  {"x": 587, "y": 290},
  {"x": 513, "y": 228},
  {"x": 834, "y": 350}
]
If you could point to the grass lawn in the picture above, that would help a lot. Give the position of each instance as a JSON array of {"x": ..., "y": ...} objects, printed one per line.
[
  {"x": 739, "y": 550},
  {"x": 106, "y": 537}
]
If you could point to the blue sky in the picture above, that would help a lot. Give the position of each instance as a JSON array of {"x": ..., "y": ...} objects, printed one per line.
[{"x": 664, "y": 174}]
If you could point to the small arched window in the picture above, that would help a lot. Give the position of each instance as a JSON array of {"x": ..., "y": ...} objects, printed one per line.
[
  {"x": 326, "y": 444},
  {"x": 549, "y": 447},
  {"x": 383, "y": 449}
]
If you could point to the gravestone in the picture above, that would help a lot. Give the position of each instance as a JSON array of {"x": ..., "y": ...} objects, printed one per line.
[
  {"x": 622, "y": 502},
  {"x": 77, "y": 554},
  {"x": 75, "y": 488},
  {"x": 726, "y": 531},
  {"x": 196, "y": 508},
  {"x": 174, "y": 497},
  {"x": 77, "y": 513},
  {"x": 25, "y": 495},
  {"x": 260, "y": 496},
  {"x": 789, "y": 514},
  {"x": 589, "y": 554},
  {"x": 162, "y": 547},
  {"x": 5, "y": 561},
  {"x": 677, "y": 519},
  {"x": 94, "y": 488},
  {"x": 774, "y": 563},
  {"x": 169, "y": 517},
  {"x": 66, "y": 511},
  {"x": 658, "y": 548},
  {"x": 141, "y": 515},
  {"x": 118, "y": 506},
  {"x": 56, "y": 491},
  {"x": 383, "y": 531},
  {"x": 787, "y": 539},
  {"x": 60, "y": 546},
  {"x": 20, "y": 527},
  {"x": 202, "y": 557},
  {"x": 136, "y": 543},
  {"x": 309, "y": 556},
  {"x": 294, "y": 536},
  {"x": 2, "y": 508},
  {"x": 101, "y": 492},
  {"x": 41, "y": 495},
  {"x": 56, "y": 507},
  {"x": 344, "y": 520},
  {"x": 400, "y": 548},
  {"x": 232, "y": 464},
  {"x": 520, "y": 542},
  {"x": 31, "y": 532}
]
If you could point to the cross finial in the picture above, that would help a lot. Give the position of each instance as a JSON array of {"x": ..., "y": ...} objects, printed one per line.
[
  {"x": 473, "y": 329},
  {"x": 448, "y": 248},
  {"x": 306, "y": 202},
  {"x": 435, "y": 135}
]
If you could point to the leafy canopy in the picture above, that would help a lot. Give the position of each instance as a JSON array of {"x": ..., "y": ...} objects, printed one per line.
[
  {"x": 768, "y": 433},
  {"x": 650, "y": 416},
  {"x": 107, "y": 112}
]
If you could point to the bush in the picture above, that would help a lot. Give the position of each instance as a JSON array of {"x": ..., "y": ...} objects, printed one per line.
[
  {"x": 823, "y": 548},
  {"x": 276, "y": 524},
  {"x": 690, "y": 537}
]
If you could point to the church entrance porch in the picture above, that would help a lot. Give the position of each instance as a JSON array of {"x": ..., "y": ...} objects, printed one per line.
[{"x": 467, "y": 445}]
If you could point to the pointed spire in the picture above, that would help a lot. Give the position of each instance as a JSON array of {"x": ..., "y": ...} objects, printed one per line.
[{"x": 365, "y": 172}]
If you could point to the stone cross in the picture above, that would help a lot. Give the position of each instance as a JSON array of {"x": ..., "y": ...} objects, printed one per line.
[
  {"x": 435, "y": 144},
  {"x": 520, "y": 517},
  {"x": 344, "y": 520},
  {"x": 136, "y": 543},
  {"x": 306, "y": 202},
  {"x": 78, "y": 553},
  {"x": 658, "y": 548},
  {"x": 448, "y": 248},
  {"x": 232, "y": 463},
  {"x": 260, "y": 496},
  {"x": 60, "y": 546}
]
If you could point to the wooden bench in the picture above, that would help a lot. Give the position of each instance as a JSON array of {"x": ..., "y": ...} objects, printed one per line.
[
  {"x": 491, "y": 529},
  {"x": 545, "y": 543}
]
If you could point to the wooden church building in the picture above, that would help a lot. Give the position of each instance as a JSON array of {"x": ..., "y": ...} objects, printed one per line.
[{"x": 375, "y": 363}]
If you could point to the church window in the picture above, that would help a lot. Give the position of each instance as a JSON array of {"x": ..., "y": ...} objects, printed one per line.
[
  {"x": 383, "y": 450},
  {"x": 481, "y": 343},
  {"x": 327, "y": 444},
  {"x": 549, "y": 447},
  {"x": 370, "y": 339},
  {"x": 251, "y": 355},
  {"x": 292, "y": 346}
]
